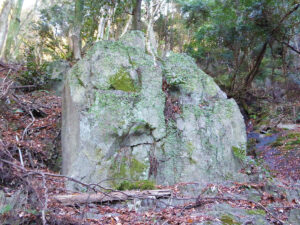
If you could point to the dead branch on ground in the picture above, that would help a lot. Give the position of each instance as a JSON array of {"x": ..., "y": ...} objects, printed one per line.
[{"x": 112, "y": 196}]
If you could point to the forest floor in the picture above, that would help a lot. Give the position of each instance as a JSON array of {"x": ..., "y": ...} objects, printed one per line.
[{"x": 30, "y": 158}]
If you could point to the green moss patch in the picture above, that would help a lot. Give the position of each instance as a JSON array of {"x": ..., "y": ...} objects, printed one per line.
[
  {"x": 289, "y": 147},
  {"x": 122, "y": 81},
  {"x": 289, "y": 141},
  {"x": 293, "y": 135},
  {"x": 137, "y": 185},
  {"x": 127, "y": 168},
  {"x": 229, "y": 220},
  {"x": 256, "y": 212},
  {"x": 295, "y": 142}
]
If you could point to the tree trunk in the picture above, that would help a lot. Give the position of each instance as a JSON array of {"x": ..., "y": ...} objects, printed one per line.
[
  {"x": 109, "y": 22},
  {"x": 76, "y": 37},
  {"x": 136, "y": 23},
  {"x": 152, "y": 8},
  {"x": 4, "y": 14},
  {"x": 167, "y": 31},
  {"x": 13, "y": 30},
  {"x": 126, "y": 26},
  {"x": 101, "y": 25},
  {"x": 254, "y": 71}
]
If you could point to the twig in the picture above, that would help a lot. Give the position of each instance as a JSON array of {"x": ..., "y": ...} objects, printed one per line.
[
  {"x": 29, "y": 125},
  {"x": 271, "y": 214},
  {"x": 21, "y": 158},
  {"x": 20, "y": 152},
  {"x": 88, "y": 186},
  {"x": 17, "y": 100},
  {"x": 4, "y": 87},
  {"x": 45, "y": 206}
]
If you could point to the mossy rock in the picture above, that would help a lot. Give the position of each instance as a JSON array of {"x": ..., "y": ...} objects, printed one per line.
[
  {"x": 229, "y": 220},
  {"x": 122, "y": 81},
  {"x": 137, "y": 185},
  {"x": 256, "y": 212},
  {"x": 114, "y": 101},
  {"x": 239, "y": 153}
]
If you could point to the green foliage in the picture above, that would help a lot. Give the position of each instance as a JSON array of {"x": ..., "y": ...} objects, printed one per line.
[
  {"x": 228, "y": 37},
  {"x": 295, "y": 142},
  {"x": 251, "y": 143},
  {"x": 239, "y": 153},
  {"x": 278, "y": 142},
  {"x": 175, "y": 79},
  {"x": 5, "y": 209},
  {"x": 287, "y": 142},
  {"x": 35, "y": 73},
  {"x": 53, "y": 27},
  {"x": 137, "y": 185},
  {"x": 56, "y": 21},
  {"x": 293, "y": 135}
]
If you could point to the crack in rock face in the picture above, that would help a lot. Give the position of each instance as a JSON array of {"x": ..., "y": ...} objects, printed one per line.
[{"x": 116, "y": 124}]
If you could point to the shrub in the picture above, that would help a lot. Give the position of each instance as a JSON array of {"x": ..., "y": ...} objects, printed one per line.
[{"x": 35, "y": 73}]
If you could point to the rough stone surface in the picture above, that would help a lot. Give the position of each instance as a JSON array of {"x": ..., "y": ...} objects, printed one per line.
[
  {"x": 294, "y": 217},
  {"x": 58, "y": 69},
  {"x": 119, "y": 123},
  {"x": 229, "y": 215}
]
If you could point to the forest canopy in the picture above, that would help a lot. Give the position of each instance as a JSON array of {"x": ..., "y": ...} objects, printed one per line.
[{"x": 235, "y": 41}]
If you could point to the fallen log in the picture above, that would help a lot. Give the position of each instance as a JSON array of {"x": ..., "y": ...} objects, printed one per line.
[{"x": 81, "y": 198}]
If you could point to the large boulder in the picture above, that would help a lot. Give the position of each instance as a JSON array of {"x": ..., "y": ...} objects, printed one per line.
[{"x": 126, "y": 117}]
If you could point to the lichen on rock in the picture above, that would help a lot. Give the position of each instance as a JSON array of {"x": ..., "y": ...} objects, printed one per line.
[{"x": 114, "y": 115}]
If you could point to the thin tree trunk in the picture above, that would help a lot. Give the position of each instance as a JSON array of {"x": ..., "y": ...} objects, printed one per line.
[
  {"x": 101, "y": 26},
  {"x": 149, "y": 34},
  {"x": 70, "y": 42},
  {"x": 109, "y": 22},
  {"x": 4, "y": 14},
  {"x": 111, "y": 13},
  {"x": 13, "y": 30},
  {"x": 167, "y": 32},
  {"x": 237, "y": 70},
  {"x": 76, "y": 36},
  {"x": 136, "y": 23},
  {"x": 126, "y": 26},
  {"x": 152, "y": 10},
  {"x": 254, "y": 71},
  {"x": 24, "y": 23}
]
